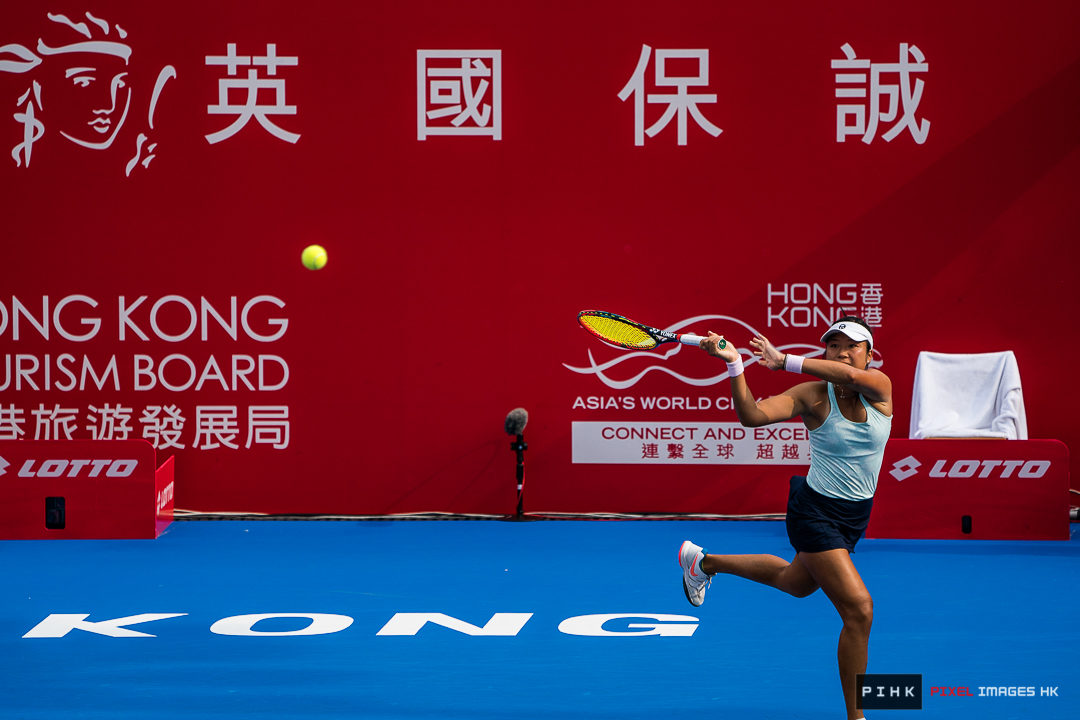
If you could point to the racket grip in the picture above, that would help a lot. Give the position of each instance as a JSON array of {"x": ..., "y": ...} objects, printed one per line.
[{"x": 695, "y": 340}]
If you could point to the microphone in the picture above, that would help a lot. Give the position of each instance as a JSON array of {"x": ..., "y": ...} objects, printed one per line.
[{"x": 516, "y": 420}]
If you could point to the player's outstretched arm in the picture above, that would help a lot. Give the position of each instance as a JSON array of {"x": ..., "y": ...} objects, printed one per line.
[{"x": 778, "y": 408}]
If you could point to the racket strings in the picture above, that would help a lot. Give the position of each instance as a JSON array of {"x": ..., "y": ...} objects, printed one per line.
[{"x": 618, "y": 332}]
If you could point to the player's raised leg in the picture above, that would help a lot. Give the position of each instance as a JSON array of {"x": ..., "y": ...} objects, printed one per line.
[
  {"x": 790, "y": 577},
  {"x": 698, "y": 566}
]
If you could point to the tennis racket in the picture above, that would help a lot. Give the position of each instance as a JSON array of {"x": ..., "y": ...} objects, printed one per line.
[{"x": 625, "y": 333}]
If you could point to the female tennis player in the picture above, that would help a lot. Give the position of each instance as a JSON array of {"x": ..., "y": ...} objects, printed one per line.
[{"x": 848, "y": 411}]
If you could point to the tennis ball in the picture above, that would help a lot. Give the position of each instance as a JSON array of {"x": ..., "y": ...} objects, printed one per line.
[{"x": 313, "y": 257}]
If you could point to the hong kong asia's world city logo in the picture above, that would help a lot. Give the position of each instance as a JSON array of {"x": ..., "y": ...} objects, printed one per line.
[{"x": 633, "y": 366}]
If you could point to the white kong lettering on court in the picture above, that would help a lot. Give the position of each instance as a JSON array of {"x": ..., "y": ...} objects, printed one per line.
[
  {"x": 244, "y": 625},
  {"x": 671, "y": 443},
  {"x": 500, "y": 624},
  {"x": 59, "y": 625},
  {"x": 664, "y": 625}
]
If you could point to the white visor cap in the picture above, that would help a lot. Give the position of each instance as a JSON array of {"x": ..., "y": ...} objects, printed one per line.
[{"x": 853, "y": 330}]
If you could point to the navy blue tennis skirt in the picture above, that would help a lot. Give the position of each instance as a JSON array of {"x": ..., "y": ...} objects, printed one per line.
[{"x": 816, "y": 522}]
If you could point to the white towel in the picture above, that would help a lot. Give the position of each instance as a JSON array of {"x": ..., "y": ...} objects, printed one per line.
[{"x": 973, "y": 395}]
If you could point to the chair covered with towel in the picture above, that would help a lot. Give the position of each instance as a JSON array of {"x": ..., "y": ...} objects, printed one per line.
[{"x": 967, "y": 396}]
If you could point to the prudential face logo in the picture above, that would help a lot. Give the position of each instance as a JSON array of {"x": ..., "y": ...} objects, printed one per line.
[{"x": 903, "y": 469}]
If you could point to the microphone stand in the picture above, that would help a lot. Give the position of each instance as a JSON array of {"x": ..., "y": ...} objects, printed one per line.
[{"x": 520, "y": 446}]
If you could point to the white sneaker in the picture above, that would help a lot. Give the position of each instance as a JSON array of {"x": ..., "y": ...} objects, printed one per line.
[{"x": 694, "y": 579}]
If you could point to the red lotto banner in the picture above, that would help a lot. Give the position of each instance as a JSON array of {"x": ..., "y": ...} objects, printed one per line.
[
  {"x": 84, "y": 489},
  {"x": 980, "y": 489},
  {"x": 479, "y": 173}
]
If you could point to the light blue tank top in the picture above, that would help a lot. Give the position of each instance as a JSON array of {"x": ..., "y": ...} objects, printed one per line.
[{"x": 845, "y": 456}]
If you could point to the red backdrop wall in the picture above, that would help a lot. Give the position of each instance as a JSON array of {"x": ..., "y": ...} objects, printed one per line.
[{"x": 458, "y": 262}]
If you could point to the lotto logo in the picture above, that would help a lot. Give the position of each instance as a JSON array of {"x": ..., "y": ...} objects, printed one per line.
[
  {"x": 1005, "y": 469},
  {"x": 74, "y": 468},
  {"x": 903, "y": 469}
]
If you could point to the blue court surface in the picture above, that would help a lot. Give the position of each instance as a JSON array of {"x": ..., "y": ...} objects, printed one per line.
[{"x": 963, "y": 614}]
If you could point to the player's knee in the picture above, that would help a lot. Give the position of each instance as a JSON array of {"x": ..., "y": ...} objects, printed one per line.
[{"x": 859, "y": 614}]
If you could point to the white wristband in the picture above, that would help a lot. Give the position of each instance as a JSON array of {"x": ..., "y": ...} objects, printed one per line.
[
  {"x": 735, "y": 369},
  {"x": 793, "y": 363}
]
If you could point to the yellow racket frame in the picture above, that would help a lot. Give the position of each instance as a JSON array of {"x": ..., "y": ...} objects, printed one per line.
[{"x": 617, "y": 330}]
